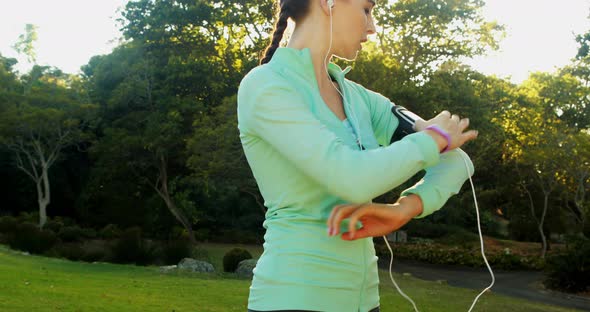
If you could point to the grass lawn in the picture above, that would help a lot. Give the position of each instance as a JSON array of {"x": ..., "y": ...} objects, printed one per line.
[{"x": 34, "y": 283}]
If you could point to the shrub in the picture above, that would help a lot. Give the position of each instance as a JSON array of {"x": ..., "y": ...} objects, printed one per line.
[
  {"x": 200, "y": 253},
  {"x": 202, "y": 234},
  {"x": 28, "y": 217},
  {"x": 178, "y": 232},
  {"x": 94, "y": 255},
  {"x": 71, "y": 233},
  {"x": 96, "y": 250},
  {"x": 459, "y": 237},
  {"x": 89, "y": 233},
  {"x": 427, "y": 229},
  {"x": 54, "y": 225},
  {"x": 28, "y": 237},
  {"x": 132, "y": 248},
  {"x": 70, "y": 251},
  {"x": 442, "y": 254},
  {"x": 8, "y": 224},
  {"x": 570, "y": 271},
  {"x": 233, "y": 257},
  {"x": 110, "y": 231},
  {"x": 67, "y": 221},
  {"x": 176, "y": 250},
  {"x": 507, "y": 261}
]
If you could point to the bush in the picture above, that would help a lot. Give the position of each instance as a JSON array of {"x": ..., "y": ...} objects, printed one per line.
[
  {"x": 176, "y": 250},
  {"x": 28, "y": 237},
  {"x": 507, "y": 261},
  {"x": 459, "y": 237},
  {"x": 66, "y": 221},
  {"x": 71, "y": 233},
  {"x": 132, "y": 248},
  {"x": 570, "y": 271},
  {"x": 55, "y": 225},
  {"x": 110, "y": 231},
  {"x": 28, "y": 217},
  {"x": 233, "y": 257},
  {"x": 70, "y": 251},
  {"x": 8, "y": 224},
  {"x": 427, "y": 229},
  {"x": 95, "y": 250},
  {"x": 523, "y": 229},
  {"x": 93, "y": 255},
  {"x": 443, "y": 254},
  {"x": 200, "y": 253},
  {"x": 202, "y": 234},
  {"x": 89, "y": 233}
]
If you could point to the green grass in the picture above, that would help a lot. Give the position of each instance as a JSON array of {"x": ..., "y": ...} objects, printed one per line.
[{"x": 34, "y": 283}]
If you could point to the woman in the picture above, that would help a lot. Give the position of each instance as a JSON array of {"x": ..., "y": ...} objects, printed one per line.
[{"x": 312, "y": 139}]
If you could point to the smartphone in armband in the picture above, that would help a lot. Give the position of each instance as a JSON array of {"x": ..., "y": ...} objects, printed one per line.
[{"x": 407, "y": 120}]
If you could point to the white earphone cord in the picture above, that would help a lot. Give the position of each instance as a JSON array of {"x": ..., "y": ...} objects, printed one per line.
[
  {"x": 356, "y": 122},
  {"x": 480, "y": 239},
  {"x": 384, "y": 238}
]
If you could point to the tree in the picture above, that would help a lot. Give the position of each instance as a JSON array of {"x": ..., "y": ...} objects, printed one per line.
[
  {"x": 217, "y": 158},
  {"x": 38, "y": 126},
  {"x": 145, "y": 127},
  {"x": 26, "y": 43},
  {"x": 422, "y": 34},
  {"x": 535, "y": 145},
  {"x": 577, "y": 166}
]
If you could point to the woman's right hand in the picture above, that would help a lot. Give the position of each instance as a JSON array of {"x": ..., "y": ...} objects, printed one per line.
[{"x": 451, "y": 124}]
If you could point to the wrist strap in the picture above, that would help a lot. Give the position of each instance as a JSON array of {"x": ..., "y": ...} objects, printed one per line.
[{"x": 440, "y": 131}]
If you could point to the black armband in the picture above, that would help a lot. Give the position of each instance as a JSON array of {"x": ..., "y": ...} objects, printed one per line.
[{"x": 406, "y": 119}]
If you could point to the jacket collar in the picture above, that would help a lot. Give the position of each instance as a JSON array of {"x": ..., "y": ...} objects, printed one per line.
[{"x": 300, "y": 62}]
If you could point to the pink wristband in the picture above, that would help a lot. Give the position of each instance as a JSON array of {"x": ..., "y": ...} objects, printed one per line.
[{"x": 440, "y": 131}]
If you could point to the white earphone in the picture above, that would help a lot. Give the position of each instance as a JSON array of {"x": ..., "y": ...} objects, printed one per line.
[{"x": 355, "y": 124}]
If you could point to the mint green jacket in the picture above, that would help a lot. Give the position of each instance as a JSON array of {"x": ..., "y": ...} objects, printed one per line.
[{"x": 306, "y": 161}]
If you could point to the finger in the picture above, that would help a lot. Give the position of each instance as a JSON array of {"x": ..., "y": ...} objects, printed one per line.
[
  {"x": 332, "y": 213},
  {"x": 445, "y": 113},
  {"x": 360, "y": 233},
  {"x": 455, "y": 118},
  {"x": 340, "y": 215},
  {"x": 469, "y": 135},
  {"x": 463, "y": 124},
  {"x": 355, "y": 217}
]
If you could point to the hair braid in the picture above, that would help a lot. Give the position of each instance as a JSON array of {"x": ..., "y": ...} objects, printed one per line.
[{"x": 277, "y": 35}]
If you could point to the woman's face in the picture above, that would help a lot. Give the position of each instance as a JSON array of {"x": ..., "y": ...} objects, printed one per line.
[{"x": 352, "y": 23}]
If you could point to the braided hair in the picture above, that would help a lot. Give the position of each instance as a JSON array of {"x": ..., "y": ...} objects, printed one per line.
[{"x": 294, "y": 9}]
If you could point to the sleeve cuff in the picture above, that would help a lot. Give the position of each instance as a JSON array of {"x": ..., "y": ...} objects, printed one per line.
[{"x": 428, "y": 197}]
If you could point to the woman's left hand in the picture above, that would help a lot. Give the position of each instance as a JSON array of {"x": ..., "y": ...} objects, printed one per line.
[{"x": 377, "y": 219}]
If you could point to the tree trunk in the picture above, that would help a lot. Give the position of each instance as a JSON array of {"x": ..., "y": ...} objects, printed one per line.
[
  {"x": 181, "y": 218},
  {"x": 43, "y": 196},
  {"x": 162, "y": 190},
  {"x": 537, "y": 221}
]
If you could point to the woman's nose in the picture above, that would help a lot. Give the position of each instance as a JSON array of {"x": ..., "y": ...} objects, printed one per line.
[{"x": 371, "y": 26}]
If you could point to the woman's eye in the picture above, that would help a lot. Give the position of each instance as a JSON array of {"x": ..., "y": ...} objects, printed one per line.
[{"x": 367, "y": 11}]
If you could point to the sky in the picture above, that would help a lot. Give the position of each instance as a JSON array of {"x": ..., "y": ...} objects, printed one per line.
[{"x": 540, "y": 33}]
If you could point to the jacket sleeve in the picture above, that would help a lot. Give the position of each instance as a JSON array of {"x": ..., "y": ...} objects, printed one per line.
[
  {"x": 383, "y": 121},
  {"x": 441, "y": 181},
  {"x": 275, "y": 112}
]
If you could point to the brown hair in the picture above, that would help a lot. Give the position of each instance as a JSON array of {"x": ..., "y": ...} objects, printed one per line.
[{"x": 294, "y": 9}]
